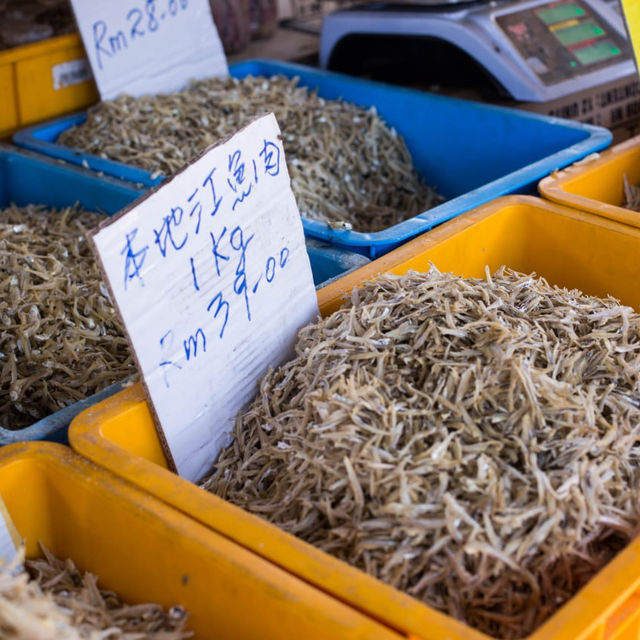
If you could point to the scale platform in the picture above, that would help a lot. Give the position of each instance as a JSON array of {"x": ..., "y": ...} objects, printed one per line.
[{"x": 535, "y": 52}]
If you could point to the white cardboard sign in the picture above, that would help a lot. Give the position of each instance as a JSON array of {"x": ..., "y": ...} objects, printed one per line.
[
  {"x": 143, "y": 47},
  {"x": 212, "y": 279},
  {"x": 9, "y": 538}
]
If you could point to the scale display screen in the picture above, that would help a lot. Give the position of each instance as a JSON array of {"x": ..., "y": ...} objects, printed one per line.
[
  {"x": 578, "y": 33},
  {"x": 597, "y": 52},
  {"x": 563, "y": 40}
]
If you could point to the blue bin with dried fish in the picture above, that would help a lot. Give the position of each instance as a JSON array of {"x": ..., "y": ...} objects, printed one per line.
[
  {"x": 469, "y": 153},
  {"x": 26, "y": 179}
]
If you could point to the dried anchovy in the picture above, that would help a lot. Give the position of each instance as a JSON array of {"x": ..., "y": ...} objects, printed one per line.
[
  {"x": 60, "y": 337},
  {"x": 631, "y": 196},
  {"x": 63, "y": 603},
  {"x": 346, "y": 165},
  {"x": 473, "y": 442},
  {"x": 26, "y": 21}
]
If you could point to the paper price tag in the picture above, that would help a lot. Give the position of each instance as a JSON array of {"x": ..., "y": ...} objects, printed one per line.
[
  {"x": 212, "y": 279},
  {"x": 149, "y": 46},
  {"x": 67, "y": 74},
  {"x": 9, "y": 537}
]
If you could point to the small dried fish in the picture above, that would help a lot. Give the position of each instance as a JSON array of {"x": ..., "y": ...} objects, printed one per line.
[
  {"x": 60, "y": 337},
  {"x": 347, "y": 166},
  {"x": 631, "y": 195},
  {"x": 26, "y": 21},
  {"x": 63, "y": 603},
  {"x": 473, "y": 442}
]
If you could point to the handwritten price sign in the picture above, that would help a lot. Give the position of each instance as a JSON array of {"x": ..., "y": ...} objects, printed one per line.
[
  {"x": 9, "y": 538},
  {"x": 149, "y": 46},
  {"x": 212, "y": 279}
]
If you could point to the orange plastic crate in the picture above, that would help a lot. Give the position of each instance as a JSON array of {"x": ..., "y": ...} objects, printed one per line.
[
  {"x": 149, "y": 552},
  {"x": 28, "y": 80},
  {"x": 595, "y": 184},
  {"x": 528, "y": 234}
]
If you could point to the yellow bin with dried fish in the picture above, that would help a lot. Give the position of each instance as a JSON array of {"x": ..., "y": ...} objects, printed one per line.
[
  {"x": 569, "y": 249},
  {"x": 604, "y": 184},
  {"x": 145, "y": 552}
]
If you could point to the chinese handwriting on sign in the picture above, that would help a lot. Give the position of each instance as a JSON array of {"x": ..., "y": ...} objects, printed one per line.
[
  {"x": 209, "y": 209},
  {"x": 211, "y": 276}
]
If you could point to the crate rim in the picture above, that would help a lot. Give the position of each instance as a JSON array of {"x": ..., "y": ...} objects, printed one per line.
[
  {"x": 40, "y": 47},
  {"x": 375, "y": 243},
  {"x": 553, "y": 186}
]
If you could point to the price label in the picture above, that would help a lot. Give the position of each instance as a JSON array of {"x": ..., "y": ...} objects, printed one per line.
[
  {"x": 9, "y": 537},
  {"x": 143, "y": 47},
  {"x": 67, "y": 74},
  {"x": 631, "y": 10},
  {"x": 212, "y": 279}
]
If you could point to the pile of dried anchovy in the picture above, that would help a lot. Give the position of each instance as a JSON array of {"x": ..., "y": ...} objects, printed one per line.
[
  {"x": 60, "y": 337},
  {"x": 631, "y": 196},
  {"x": 346, "y": 165},
  {"x": 63, "y": 603},
  {"x": 26, "y": 21},
  {"x": 473, "y": 442}
]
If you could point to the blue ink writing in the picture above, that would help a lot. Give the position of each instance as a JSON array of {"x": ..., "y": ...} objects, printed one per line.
[
  {"x": 193, "y": 275},
  {"x": 116, "y": 42},
  {"x": 270, "y": 154},
  {"x": 108, "y": 42},
  {"x": 136, "y": 14},
  {"x": 238, "y": 179},
  {"x": 222, "y": 304},
  {"x": 270, "y": 271},
  {"x": 167, "y": 339},
  {"x": 216, "y": 201},
  {"x": 191, "y": 344},
  {"x": 270, "y": 267},
  {"x": 165, "y": 234},
  {"x": 239, "y": 244},
  {"x": 150, "y": 8},
  {"x": 196, "y": 207},
  {"x": 214, "y": 249},
  {"x": 133, "y": 260}
]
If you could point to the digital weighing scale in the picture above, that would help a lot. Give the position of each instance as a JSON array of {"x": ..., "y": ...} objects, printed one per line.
[{"x": 570, "y": 57}]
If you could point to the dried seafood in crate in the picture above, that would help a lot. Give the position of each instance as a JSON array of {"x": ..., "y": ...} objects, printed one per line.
[
  {"x": 631, "y": 195},
  {"x": 346, "y": 164},
  {"x": 26, "y": 21},
  {"x": 63, "y": 603},
  {"x": 60, "y": 337},
  {"x": 473, "y": 442}
]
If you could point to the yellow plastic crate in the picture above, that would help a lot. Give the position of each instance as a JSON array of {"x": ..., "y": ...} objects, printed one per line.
[
  {"x": 528, "y": 234},
  {"x": 41, "y": 80},
  {"x": 595, "y": 184},
  {"x": 149, "y": 552}
]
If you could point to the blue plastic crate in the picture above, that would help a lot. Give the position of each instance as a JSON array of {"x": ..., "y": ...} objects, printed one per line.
[
  {"x": 29, "y": 178},
  {"x": 471, "y": 153}
]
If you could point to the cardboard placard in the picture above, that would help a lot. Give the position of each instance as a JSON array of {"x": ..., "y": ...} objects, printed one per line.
[
  {"x": 143, "y": 47},
  {"x": 9, "y": 538},
  {"x": 212, "y": 279}
]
